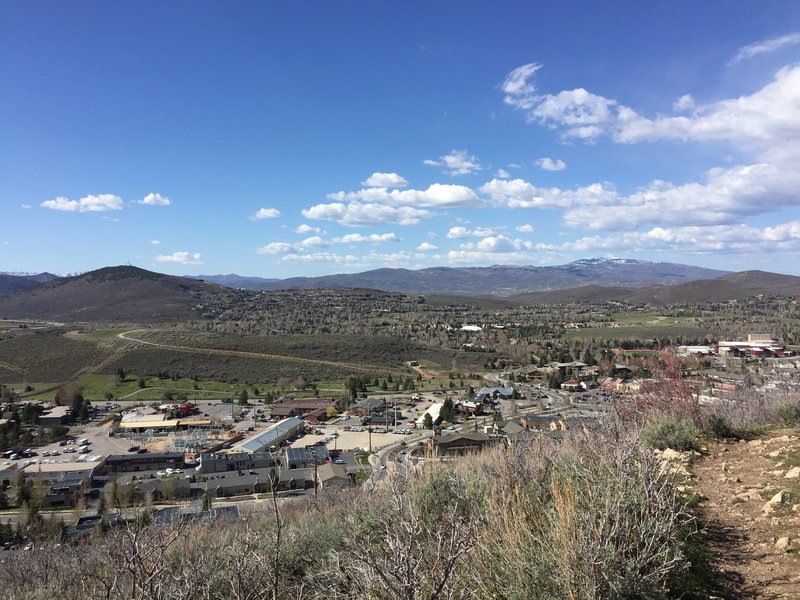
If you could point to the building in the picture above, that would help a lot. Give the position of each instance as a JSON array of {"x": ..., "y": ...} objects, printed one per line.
[
  {"x": 543, "y": 422},
  {"x": 150, "y": 461},
  {"x": 220, "y": 462},
  {"x": 58, "y": 415},
  {"x": 331, "y": 476},
  {"x": 273, "y": 436},
  {"x": 756, "y": 346},
  {"x": 303, "y": 407},
  {"x": 462, "y": 443},
  {"x": 304, "y": 458}
]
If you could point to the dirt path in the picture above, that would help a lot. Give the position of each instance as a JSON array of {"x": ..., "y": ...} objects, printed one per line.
[
  {"x": 130, "y": 337},
  {"x": 756, "y": 549}
]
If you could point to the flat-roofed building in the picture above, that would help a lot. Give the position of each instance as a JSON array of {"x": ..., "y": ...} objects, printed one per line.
[
  {"x": 272, "y": 436},
  {"x": 219, "y": 462},
  {"x": 150, "y": 461}
]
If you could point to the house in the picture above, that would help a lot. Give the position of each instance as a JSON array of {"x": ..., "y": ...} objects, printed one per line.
[
  {"x": 516, "y": 433},
  {"x": 330, "y": 476},
  {"x": 492, "y": 395},
  {"x": 461, "y": 443},
  {"x": 571, "y": 385},
  {"x": 542, "y": 422}
]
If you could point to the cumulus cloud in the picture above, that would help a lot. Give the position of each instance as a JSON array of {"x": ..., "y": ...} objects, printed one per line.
[
  {"x": 548, "y": 164},
  {"x": 427, "y": 247},
  {"x": 518, "y": 193},
  {"x": 503, "y": 174},
  {"x": 784, "y": 237},
  {"x": 305, "y": 229},
  {"x": 767, "y": 115},
  {"x": 526, "y": 228},
  {"x": 265, "y": 213},
  {"x": 385, "y": 180},
  {"x": 457, "y": 162},
  {"x": 154, "y": 199},
  {"x": 438, "y": 195},
  {"x": 765, "y": 47},
  {"x": 182, "y": 257},
  {"x": 684, "y": 103},
  {"x": 460, "y": 233},
  {"x": 364, "y": 215},
  {"x": 275, "y": 248},
  {"x": 374, "y": 238},
  {"x": 90, "y": 203}
]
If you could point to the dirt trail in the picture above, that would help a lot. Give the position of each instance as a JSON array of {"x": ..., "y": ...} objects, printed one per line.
[
  {"x": 756, "y": 549},
  {"x": 130, "y": 337}
]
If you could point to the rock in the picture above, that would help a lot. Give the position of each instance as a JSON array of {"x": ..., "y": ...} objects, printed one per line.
[
  {"x": 671, "y": 455},
  {"x": 774, "y": 454},
  {"x": 783, "y": 543},
  {"x": 793, "y": 473},
  {"x": 724, "y": 467},
  {"x": 780, "y": 498},
  {"x": 777, "y": 473}
]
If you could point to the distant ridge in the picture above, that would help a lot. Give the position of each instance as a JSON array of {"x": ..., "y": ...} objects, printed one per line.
[
  {"x": 134, "y": 295},
  {"x": 498, "y": 280},
  {"x": 122, "y": 293},
  {"x": 14, "y": 282}
]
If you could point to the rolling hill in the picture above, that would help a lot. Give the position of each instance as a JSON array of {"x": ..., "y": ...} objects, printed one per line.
[{"x": 121, "y": 293}]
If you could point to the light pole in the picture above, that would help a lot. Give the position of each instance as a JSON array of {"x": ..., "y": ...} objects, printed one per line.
[{"x": 314, "y": 456}]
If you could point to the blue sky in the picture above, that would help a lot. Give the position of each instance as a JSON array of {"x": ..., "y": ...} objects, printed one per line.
[{"x": 282, "y": 139}]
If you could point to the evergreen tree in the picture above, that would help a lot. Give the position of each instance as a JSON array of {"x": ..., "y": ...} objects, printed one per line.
[{"x": 427, "y": 421}]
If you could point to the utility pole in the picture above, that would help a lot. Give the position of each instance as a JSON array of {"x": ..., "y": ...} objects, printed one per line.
[
  {"x": 314, "y": 456},
  {"x": 369, "y": 424}
]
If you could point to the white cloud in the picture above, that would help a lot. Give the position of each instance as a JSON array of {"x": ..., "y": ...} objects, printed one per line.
[
  {"x": 727, "y": 196},
  {"x": 438, "y": 195},
  {"x": 458, "y": 162},
  {"x": 518, "y": 193},
  {"x": 375, "y": 238},
  {"x": 265, "y": 213},
  {"x": 110, "y": 219},
  {"x": 503, "y": 174},
  {"x": 427, "y": 247},
  {"x": 784, "y": 237},
  {"x": 154, "y": 242},
  {"x": 154, "y": 199},
  {"x": 305, "y": 229},
  {"x": 275, "y": 248},
  {"x": 548, "y": 164},
  {"x": 766, "y": 116},
  {"x": 91, "y": 203},
  {"x": 184, "y": 258},
  {"x": 766, "y": 46},
  {"x": 363, "y": 215},
  {"x": 518, "y": 86},
  {"x": 526, "y": 229},
  {"x": 313, "y": 242},
  {"x": 684, "y": 103},
  {"x": 26, "y": 206},
  {"x": 460, "y": 233},
  {"x": 385, "y": 180}
]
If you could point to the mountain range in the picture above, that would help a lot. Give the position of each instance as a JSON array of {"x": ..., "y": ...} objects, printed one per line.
[
  {"x": 499, "y": 280},
  {"x": 131, "y": 294}
]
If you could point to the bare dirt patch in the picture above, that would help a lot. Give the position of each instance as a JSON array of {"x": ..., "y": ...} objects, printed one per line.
[{"x": 751, "y": 512}]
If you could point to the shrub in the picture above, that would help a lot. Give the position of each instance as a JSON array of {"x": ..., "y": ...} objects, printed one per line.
[
  {"x": 719, "y": 426},
  {"x": 788, "y": 413},
  {"x": 670, "y": 432}
]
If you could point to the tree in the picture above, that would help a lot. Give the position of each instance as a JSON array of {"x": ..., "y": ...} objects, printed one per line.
[
  {"x": 206, "y": 501},
  {"x": 121, "y": 375},
  {"x": 102, "y": 506},
  {"x": 116, "y": 502},
  {"x": 447, "y": 410},
  {"x": 142, "y": 383},
  {"x": 427, "y": 421},
  {"x": 243, "y": 397}
]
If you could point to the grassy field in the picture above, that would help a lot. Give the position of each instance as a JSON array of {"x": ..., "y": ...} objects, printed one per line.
[{"x": 637, "y": 325}]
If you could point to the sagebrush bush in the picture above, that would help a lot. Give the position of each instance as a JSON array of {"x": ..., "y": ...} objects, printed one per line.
[
  {"x": 788, "y": 413},
  {"x": 719, "y": 426},
  {"x": 671, "y": 432}
]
